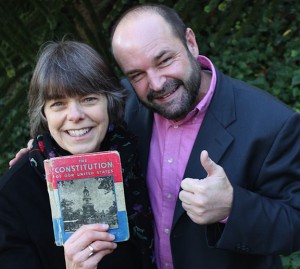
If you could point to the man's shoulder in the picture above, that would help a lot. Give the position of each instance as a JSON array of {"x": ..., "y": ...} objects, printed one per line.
[
  {"x": 135, "y": 111},
  {"x": 249, "y": 96},
  {"x": 131, "y": 97}
]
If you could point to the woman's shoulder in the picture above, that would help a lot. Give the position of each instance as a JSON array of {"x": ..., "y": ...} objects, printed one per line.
[
  {"x": 18, "y": 174},
  {"x": 122, "y": 140}
]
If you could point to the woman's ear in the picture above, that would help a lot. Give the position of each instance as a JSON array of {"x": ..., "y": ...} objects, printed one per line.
[{"x": 191, "y": 42}]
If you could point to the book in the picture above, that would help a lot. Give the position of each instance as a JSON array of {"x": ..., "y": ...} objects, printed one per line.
[{"x": 84, "y": 189}]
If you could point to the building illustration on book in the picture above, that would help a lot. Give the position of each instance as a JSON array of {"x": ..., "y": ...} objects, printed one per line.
[
  {"x": 80, "y": 203},
  {"x": 85, "y": 189}
]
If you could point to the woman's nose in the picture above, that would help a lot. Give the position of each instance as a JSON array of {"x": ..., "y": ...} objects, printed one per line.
[{"x": 75, "y": 112}]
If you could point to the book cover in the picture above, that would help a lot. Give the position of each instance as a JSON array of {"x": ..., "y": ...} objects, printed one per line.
[{"x": 84, "y": 189}]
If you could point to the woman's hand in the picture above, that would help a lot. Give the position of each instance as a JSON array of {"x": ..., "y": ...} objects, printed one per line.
[{"x": 88, "y": 245}]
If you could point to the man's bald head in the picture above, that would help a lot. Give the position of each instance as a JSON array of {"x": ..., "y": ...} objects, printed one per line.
[{"x": 141, "y": 11}]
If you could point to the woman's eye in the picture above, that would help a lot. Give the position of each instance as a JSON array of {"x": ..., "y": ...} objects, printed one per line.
[
  {"x": 56, "y": 104},
  {"x": 89, "y": 99}
]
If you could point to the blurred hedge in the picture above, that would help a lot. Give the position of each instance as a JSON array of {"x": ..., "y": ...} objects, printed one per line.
[{"x": 256, "y": 41}]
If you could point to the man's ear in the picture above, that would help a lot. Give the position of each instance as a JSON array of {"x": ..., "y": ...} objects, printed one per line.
[{"x": 191, "y": 42}]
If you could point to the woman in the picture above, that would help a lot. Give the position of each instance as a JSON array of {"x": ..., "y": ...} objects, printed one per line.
[{"x": 75, "y": 106}]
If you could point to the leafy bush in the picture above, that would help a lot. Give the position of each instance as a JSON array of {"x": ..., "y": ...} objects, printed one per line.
[{"x": 256, "y": 41}]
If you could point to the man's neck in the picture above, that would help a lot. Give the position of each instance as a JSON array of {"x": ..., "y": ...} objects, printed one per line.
[{"x": 205, "y": 83}]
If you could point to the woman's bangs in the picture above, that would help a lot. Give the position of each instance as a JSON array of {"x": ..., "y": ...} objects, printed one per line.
[{"x": 63, "y": 85}]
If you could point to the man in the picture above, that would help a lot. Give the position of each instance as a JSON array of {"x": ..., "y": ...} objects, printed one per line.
[
  {"x": 238, "y": 205},
  {"x": 245, "y": 211}
]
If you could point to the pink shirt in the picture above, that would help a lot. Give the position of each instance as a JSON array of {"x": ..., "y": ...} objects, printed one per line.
[{"x": 170, "y": 148}]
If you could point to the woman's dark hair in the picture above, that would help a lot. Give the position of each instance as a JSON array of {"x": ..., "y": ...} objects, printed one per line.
[{"x": 68, "y": 69}]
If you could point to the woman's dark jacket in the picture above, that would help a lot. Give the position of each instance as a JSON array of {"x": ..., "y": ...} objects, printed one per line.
[{"x": 26, "y": 232}]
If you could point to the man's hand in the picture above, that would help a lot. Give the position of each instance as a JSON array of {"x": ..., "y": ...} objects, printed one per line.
[
  {"x": 20, "y": 153},
  {"x": 208, "y": 200}
]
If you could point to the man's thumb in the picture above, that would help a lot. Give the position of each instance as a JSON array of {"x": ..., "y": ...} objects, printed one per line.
[{"x": 208, "y": 164}]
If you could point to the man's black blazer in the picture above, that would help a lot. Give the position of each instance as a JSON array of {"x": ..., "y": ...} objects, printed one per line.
[{"x": 256, "y": 139}]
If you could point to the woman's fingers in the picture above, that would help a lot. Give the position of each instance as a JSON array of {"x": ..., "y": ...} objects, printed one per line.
[{"x": 88, "y": 245}]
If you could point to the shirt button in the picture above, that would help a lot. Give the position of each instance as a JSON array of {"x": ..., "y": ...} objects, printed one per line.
[
  {"x": 167, "y": 265},
  {"x": 170, "y": 160},
  {"x": 169, "y": 195},
  {"x": 167, "y": 231},
  {"x": 175, "y": 126}
]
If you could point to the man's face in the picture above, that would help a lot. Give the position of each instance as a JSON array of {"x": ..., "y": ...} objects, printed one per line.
[{"x": 163, "y": 71}]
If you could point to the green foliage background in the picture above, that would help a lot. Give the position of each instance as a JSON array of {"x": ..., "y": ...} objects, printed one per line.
[{"x": 256, "y": 41}]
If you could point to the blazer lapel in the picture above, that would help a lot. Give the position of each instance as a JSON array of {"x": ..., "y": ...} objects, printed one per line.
[
  {"x": 139, "y": 121},
  {"x": 212, "y": 135},
  {"x": 145, "y": 124}
]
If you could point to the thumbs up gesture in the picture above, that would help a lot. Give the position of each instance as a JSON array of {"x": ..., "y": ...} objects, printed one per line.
[{"x": 207, "y": 200}]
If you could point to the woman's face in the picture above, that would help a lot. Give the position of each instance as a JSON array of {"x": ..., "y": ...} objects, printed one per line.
[{"x": 78, "y": 124}]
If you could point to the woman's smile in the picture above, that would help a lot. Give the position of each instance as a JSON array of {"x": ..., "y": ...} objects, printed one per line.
[{"x": 79, "y": 132}]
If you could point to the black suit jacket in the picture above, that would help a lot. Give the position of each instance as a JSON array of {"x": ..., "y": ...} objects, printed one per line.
[{"x": 256, "y": 139}]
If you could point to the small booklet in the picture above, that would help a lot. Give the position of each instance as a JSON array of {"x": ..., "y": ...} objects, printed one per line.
[{"x": 84, "y": 189}]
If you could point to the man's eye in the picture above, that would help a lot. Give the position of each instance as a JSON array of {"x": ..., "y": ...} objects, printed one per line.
[
  {"x": 135, "y": 77},
  {"x": 166, "y": 61}
]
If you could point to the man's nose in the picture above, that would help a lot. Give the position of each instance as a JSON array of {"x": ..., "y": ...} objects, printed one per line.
[{"x": 156, "y": 80}]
